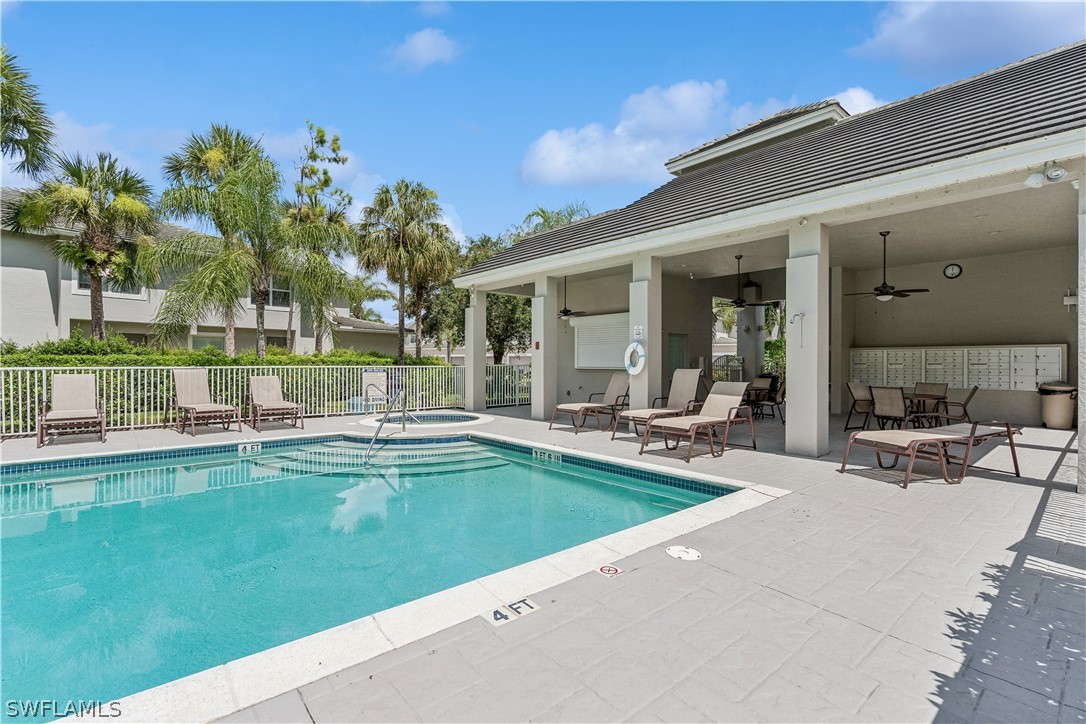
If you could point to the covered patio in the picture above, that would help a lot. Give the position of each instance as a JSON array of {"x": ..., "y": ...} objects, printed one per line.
[{"x": 959, "y": 175}]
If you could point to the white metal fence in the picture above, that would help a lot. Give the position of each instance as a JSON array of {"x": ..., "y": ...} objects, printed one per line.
[
  {"x": 142, "y": 396},
  {"x": 508, "y": 385}
]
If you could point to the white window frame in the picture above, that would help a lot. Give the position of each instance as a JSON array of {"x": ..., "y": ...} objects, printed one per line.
[
  {"x": 269, "y": 305},
  {"x": 599, "y": 341},
  {"x": 141, "y": 295}
]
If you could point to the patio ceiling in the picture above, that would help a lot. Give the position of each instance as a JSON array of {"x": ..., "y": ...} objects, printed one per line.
[{"x": 1021, "y": 220}]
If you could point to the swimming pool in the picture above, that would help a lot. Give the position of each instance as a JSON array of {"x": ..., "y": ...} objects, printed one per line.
[{"x": 119, "y": 577}]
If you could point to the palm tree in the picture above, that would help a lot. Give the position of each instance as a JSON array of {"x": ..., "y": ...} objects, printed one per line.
[
  {"x": 246, "y": 201},
  {"x": 112, "y": 208},
  {"x": 360, "y": 291},
  {"x": 194, "y": 174},
  {"x": 541, "y": 219},
  {"x": 26, "y": 131},
  {"x": 401, "y": 232}
]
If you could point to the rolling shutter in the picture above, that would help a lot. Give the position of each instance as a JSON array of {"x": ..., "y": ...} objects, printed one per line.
[{"x": 600, "y": 340}]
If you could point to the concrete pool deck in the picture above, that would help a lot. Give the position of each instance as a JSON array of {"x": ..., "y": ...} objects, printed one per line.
[{"x": 849, "y": 599}]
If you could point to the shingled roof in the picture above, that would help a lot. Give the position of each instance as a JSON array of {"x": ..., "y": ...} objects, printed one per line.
[{"x": 1039, "y": 96}]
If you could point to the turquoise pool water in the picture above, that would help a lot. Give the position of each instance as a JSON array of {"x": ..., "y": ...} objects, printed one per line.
[{"x": 116, "y": 579}]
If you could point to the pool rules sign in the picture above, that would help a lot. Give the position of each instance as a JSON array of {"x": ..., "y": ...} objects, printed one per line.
[{"x": 511, "y": 611}]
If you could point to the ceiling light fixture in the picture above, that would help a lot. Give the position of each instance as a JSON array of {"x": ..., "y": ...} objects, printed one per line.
[{"x": 1055, "y": 173}]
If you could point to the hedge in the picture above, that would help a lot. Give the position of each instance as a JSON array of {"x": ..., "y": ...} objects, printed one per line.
[{"x": 116, "y": 351}]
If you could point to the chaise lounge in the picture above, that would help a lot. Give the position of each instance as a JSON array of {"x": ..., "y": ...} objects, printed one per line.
[
  {"x": 723, "y": 408},
  {"x": 74, "y": 407},
  {"x": 266, "y": 403},
  {"x": 933, "y": 444},
  {"x": 683, "y": 394},
  {"x": 613, "y": 400},
  {"x": 192, "y": 402}
]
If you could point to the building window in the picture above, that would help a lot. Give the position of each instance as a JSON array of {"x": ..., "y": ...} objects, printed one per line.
[
  {"x": 277, "y": 341},
  {"x": 199, "y": 341},
  {"x": 109, "y": 287},
  {"x": 278, "y": 294}
]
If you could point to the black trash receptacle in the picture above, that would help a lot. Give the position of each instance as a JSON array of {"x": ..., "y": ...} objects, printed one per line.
[{"x": 1058, "y": 405}]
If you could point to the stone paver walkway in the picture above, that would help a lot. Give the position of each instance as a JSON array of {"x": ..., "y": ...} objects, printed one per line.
[{"x": 849, "y": 600}]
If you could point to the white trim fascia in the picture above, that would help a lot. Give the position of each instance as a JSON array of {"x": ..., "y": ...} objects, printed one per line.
[
  {"x": 829, "y": 113},
  {"x": 984, "y": 164}
]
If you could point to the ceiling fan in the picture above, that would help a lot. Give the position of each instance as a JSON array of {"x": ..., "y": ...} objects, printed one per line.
[
  {"x": 565, "y": 312},
  {"x": 885, "y": 292},
  {"x": 739, "y": 302}
]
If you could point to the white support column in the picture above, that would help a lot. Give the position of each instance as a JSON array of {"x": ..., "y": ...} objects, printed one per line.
[
  {"x": 838, "y": 346},
  {"x": 475, "y": 352},
  {"x": 1081, "y": 329},
  {"x": 807, "y": 294},
  {"x": 645, "y": 313},
  {"x": 544, "y": 347}
]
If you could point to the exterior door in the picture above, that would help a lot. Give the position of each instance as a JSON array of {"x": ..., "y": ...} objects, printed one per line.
[{"x": 676, "y": 354}]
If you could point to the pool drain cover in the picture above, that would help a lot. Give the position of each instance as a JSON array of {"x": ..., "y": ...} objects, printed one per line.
[{"x": 683, "y": 553}]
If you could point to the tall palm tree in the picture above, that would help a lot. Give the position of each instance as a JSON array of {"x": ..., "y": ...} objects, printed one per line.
[
  {"x": 360, "y": 291},
  {"x": 112, "y": 209},
  {"x": 401, "y": 232},
  {"x": 541, "y": 218},
  {"x": 246, "y": 200},
  {"x": 26, "y": 131},
  {"x": 194, "y": 174}
]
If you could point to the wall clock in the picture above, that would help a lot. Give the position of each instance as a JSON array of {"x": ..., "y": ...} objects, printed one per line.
[{"x": 952, "y": 271}]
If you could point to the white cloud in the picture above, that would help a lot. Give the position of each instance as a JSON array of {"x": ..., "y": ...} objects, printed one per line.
[
  {"x": 451, "y": 218},
  {"x": 424, "y": 48},
  {"x": 433, "y": 8},
  {"x": 749, "y": 112},
  {"x": 942, "y": 37},
  {"x": 654, "y": 125},
  {"x": 858, "y": 99},
  {"x": 7, "y": 6}
]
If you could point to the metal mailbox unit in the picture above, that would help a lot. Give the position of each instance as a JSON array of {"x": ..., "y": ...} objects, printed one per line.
[{"x": 994, "y": 367}]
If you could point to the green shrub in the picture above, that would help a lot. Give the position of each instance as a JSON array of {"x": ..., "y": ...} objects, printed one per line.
[
  {"x": 116, "y": 351},
  {"x": 774, "y": 360}
]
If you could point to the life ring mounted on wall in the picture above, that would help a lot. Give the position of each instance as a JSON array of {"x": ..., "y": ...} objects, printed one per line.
[{"x": 635, "y": 358}]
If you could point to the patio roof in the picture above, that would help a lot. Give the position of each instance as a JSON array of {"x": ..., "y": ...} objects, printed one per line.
[{"x": 1026, "y": 100}]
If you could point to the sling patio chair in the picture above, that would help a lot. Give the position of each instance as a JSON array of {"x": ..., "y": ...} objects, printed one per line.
[
  {"x": 935, "y": 443},
  {"x": 613, "y": 400},
  {"x": 683, "y": 394},
  {"x": 889, "y": 406},
  {"x": 192, "y": 402},
  {"x": 266, "y": 403},
  {"x": 770, "y": 403},
  {"x": 723, "y": 408},
  {"x": 861, "y": 402},
  {"x": 74, "y": 407},
  {"x": 956, "y": 411}
]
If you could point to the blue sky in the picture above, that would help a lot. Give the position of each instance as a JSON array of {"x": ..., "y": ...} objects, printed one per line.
[{"x": 499, "y": 107}]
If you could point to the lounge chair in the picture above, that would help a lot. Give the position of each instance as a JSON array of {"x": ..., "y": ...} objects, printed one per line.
[
  {"x": 770, "y": 403},
  {"x": 889, "y": 406},
  {"x": 266, "y": 403},
  {"x": 683, "y": 393},
  {"x": 723, "y": 408},
  {"x": 933, "y": 444},
  {"x": 956, "y": 411},
  {"x": 613, "y": 400},
  {"x": 192, "y": 402},
  {"x": 861, "y": 402},
  {"x": 74, "y": 407}
]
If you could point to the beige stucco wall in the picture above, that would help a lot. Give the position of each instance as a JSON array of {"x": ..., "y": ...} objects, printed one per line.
[
  {"x": 29, "y": 286},
  {"x": 360, "y": 341},
  {"x": 603, "y": 295},
  {"x": 1001, "y": 299},
  {"x": 687, "y": 309}
]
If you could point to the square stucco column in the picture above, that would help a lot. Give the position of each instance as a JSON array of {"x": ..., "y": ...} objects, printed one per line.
[
  {"x": 475, "y": 352},
  {"x": 645, "y": 313},
  {"x": 544, "y": 347},
  {"x": 808, "y": 364},
  {"x": 1081, "y": 329}
]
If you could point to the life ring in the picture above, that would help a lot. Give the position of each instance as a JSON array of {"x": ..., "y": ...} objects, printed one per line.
[{"x": 637, "y": 351}]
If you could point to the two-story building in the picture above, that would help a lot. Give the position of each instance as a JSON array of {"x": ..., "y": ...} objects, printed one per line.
[{"x": 43, "y": 297}]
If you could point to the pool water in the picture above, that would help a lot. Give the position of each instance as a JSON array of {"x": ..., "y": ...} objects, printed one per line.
[{"x": 116, "y": 579}]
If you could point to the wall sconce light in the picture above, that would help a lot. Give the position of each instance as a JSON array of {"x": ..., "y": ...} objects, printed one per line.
[
  {"x": 803, "y": 221},
  {"x": 1052, "y": 172},
  {"x": 1055, "y": 173}
]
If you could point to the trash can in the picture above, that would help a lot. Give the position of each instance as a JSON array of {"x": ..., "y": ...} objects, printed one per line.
[{"x": 1057, "y": 405}]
